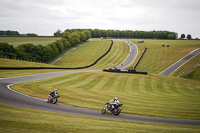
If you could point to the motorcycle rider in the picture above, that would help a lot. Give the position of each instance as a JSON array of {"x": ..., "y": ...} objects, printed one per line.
[
  {"x": 113, "y": 103},
  {"x": 52, "y": 94}
]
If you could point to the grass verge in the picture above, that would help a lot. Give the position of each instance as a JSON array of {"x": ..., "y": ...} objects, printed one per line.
[
  {"x": 23, "y": 120},
  {"x": 188, "y": 65},
  {"x": 193, "y": 74}
]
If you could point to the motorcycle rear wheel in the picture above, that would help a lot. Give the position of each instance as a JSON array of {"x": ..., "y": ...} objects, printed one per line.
[{"x": 116, "y": 111}]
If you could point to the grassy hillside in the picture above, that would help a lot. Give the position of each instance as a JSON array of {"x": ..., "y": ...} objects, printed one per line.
[
  {"x": 85, "y": 55},
  {"x": 116, "y": 56},
  {"x": 154, "y": 95},
  {"x": 158, "y": 58},
  {"x": 15, "y": 120},
  {"x": 187, "y": 65},
  {"x": 18, "y": 63},
  {"x": 15, "y": 41},
  {"x": 89, "y": 53},
  {"x": 193, "y": 74}
]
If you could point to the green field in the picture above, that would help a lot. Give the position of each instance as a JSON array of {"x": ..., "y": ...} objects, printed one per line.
[
  {"x": 89, "y": 53},
  {"x": 15, "y": 41},
  {"x": 86, "y": 54},
  {"x": 187, "y": 65},
  {"x": 18, "y": 63},
  {"x": 158, "y": 58},
  {"x": 193, "y": 74},
  {"x": 15, "y": 120},
  {"x": 116, "y": 56},
  {"x": 153, "y": 95}
]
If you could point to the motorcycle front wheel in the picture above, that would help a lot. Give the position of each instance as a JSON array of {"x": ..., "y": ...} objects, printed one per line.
[
  {"x": 54, "y": 100},
  {"x": 103, "y": 111}
]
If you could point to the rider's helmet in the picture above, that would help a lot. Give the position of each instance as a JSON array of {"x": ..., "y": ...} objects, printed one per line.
[
  {"x": 115, "y": 98},
  {"x": 55, "y": 90}
]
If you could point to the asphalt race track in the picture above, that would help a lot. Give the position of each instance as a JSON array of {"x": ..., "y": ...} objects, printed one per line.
[
  {"x": 13, "y": 98},
  {"x": 131, "y": 57},
  {"x": 179, "y": 63}
]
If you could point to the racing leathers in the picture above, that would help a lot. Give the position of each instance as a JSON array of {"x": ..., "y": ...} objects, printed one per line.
[
  {"x": 52, "y": 94},
  {"x": 113, "y": 103}
]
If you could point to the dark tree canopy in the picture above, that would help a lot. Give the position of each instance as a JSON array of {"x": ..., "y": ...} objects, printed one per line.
[
  {"x": 182, "y": 36},
  {"x": 9, "y": 33},
  {"x": 189, "y": 37},
  {"x": 58, "y": 33}
]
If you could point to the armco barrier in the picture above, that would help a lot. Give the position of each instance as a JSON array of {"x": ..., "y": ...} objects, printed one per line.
[
  {"x": 22, "y": 68},
  {"x": 139, "y": 58},
  {"x": 124, "y": 71}
]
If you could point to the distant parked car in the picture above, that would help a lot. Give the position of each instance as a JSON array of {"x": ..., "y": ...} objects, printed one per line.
[{"x": 142, "y": 41}]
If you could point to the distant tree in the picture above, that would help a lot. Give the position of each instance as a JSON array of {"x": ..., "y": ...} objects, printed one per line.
[
  {"x": 189, "y": 37},
  {"x": 31, "y": 35},
  {"x": 27, "y": 51},
  {"x": 54, "y": 48},
  {"x": 59, "y": 46},
  {"x": 74, "y": 38},
  {"x": 65, "y": 34},
  {"x": 182, "y": 36},
  {"x": 83, "y": 37},
  {"x": 66, "y": 43},
  {"x": 58, "y": 33},
  {"x": 87, "y": 33},
  {"x": 7, "y": 50},
  {"x": 9, "y": 33},
  {"x": 170, "y": 36}
]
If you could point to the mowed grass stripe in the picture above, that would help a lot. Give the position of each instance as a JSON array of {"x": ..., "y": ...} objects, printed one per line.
[
  {"x": 99, "y": 83},
  {"x": 145, "y": 95},
  {"x": 86, "y": 54},
  {"x": 158, "y": 58},
  {"x": 19, "y": 63},
  {"x": 117, "y": 55}
]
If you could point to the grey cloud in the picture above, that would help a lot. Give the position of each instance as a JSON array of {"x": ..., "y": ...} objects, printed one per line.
[{"x": 46, "y": 16}]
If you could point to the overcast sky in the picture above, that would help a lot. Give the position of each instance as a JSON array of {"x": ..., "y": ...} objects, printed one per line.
[{"x": 44, "y": 17}]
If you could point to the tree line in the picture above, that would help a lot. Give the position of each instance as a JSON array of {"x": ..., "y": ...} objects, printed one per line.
[
  {"x": 47, "y": 53},
  {"x": 16, "y": 33},
  {"x": 97, "y": 33},
  {"x": 134, "y": 34}
]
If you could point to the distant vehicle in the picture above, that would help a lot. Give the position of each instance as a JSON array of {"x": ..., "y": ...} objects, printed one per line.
[
  {"x": 116, "y": 110},
  {"x": 142, "y": 41}
]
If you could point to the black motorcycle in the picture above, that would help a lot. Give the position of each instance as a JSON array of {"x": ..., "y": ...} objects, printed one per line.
[
  {"x": 116, "y": 110},
  {"x": 53, "y": 100}
]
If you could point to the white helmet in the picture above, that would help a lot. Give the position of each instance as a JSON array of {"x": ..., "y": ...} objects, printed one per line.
[
  {"x": 115, "y": 98},
  {"x": 55, "y": 90}
]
